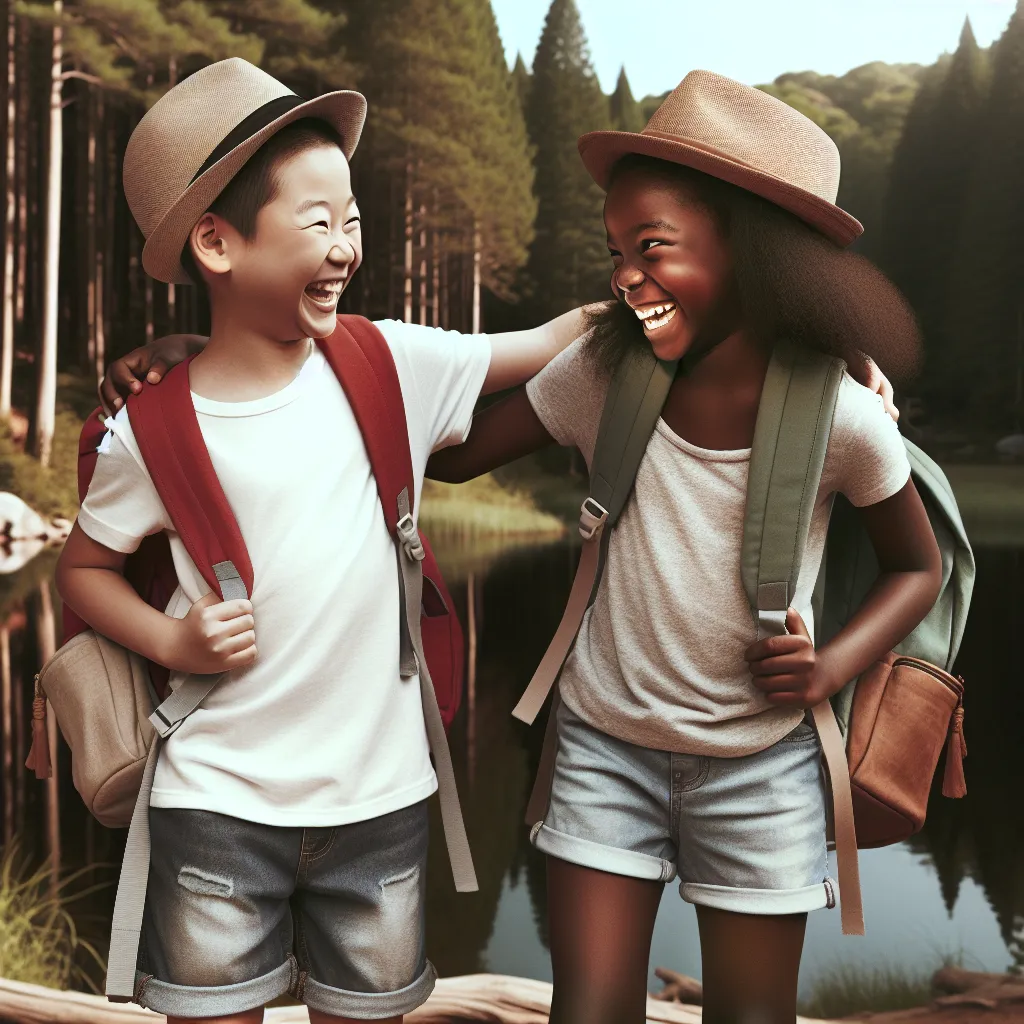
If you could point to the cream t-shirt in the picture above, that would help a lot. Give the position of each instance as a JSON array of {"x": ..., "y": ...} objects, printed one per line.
[
  {"x": 321, "y": 730},
  {"x": 659, "y": 658}
]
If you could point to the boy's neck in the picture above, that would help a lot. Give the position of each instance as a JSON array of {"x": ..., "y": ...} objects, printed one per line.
[{"x": 241, "y": 364}]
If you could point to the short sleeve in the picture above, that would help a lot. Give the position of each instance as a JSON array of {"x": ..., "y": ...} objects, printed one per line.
[
  {"x": 122, "y": 505},
  {"x": 868, "y": 458},
  {"x": 568, "y": 398},
  {"x": 447, "y": 371}
]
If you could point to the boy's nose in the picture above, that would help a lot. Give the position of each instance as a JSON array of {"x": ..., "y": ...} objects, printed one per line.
[{"x": 341, "y": 253}]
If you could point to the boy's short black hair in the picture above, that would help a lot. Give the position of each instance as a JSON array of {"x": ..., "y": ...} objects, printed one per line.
[{"x": 257, "y": 184}]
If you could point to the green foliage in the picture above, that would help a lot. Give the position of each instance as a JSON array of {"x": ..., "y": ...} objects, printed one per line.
[
  {"x": 521, "y": 79},
  {"x": 927, "y": 191},
  {"x": 985, "y": 310},
  {"x": 482, "y": 507},
  {"x": 39, "y": 943},
  {"x": 626, "y": 113},
  {"x": 569, "y": 259}
]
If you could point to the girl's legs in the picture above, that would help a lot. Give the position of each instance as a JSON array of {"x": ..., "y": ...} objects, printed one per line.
[
  {"x": 750, "y": 966},
  {"x": 600, "y": 928}
]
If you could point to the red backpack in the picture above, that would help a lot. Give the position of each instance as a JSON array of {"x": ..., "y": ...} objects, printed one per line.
[{"x": 181, "y": 470}]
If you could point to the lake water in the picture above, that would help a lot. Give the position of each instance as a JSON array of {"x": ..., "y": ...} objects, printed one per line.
[{"x": 955, "y": 889}]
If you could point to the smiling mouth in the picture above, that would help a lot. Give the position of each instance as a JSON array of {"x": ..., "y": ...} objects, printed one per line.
[
  {"x": 325, "y": 294},
  {"x": 655, "y": 317}
]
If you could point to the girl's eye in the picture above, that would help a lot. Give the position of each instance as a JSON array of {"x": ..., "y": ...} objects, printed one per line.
[
  {"x": 354, "y": 222},
  {"x": 615, "y": 254},
  {"x": 649, "y": 243}
]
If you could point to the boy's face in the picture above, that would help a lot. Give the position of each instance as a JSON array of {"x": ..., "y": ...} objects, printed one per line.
[{"x": 307, "y": 246}]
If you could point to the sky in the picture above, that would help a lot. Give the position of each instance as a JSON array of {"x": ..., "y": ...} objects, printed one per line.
[{"x": 753, "y": 41}]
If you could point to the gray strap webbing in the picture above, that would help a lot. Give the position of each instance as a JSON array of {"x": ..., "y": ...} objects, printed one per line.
[
  {"x": 130, "y": 903},
  {"x": 411, "y": 582},
  {"x": 790, "y": 440},
  {"x": 634, "y": 402}
]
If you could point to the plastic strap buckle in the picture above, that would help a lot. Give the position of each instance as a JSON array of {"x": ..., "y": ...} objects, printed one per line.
[
  {"x": 410, "y": 538},
  {"x": 161, "y": 726},
  {"x": 592, "y": 519}
]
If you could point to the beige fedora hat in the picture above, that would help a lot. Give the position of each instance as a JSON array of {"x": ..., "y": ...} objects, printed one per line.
[
  {"x": 196, "y": 138},
  {"x": 743, "y": 136}
]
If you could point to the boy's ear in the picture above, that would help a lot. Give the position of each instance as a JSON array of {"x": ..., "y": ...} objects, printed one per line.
[{"x": 210, "y": 245}]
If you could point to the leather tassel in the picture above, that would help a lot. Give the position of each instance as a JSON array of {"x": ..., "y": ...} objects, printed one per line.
[
  {"x": 953, "y": 782},
  {"x": 39, "y": 752}
]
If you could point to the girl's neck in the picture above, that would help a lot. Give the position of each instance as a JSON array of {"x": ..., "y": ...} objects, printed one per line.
[
  {"x": 242, "y": 364},
  {"x": 737, "y": 361}
]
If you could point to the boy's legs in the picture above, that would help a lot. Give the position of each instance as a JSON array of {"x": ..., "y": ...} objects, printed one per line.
[{"x": 256, "y": 1017}]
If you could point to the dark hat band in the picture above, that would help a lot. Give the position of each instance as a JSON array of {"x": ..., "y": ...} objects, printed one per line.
[{"x": 248, "y": 127}]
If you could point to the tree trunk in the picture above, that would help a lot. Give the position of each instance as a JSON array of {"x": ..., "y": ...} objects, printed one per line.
[
  {"x": 172, "y": 296},
  {"x": 407, "y": 263},
  {"x": 91, "y": 268},
  {"x": 423, "y": 265},
  {"x": 476, "y": 279},
  {"x": 471, "y": 675},
  {"x": 10, "y": 222},
  {"x": 99, "y": 336},
  {"x": 435, "y": 264},
  {"x": 46, "y": 376},
  {"x": 21, "y": 177}
]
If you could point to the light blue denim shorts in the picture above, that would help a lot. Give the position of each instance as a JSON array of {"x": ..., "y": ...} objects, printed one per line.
[
  {"x": 239, "y": 913},
  {"x": 745, "y": 834}
]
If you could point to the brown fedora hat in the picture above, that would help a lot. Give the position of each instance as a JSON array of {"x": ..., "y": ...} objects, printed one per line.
[
  {"x": 196, "y": 138},
  {"x": 743, "y": 136}
]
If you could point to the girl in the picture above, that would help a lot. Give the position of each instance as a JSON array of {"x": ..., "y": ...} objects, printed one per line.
[{"x": 682, "y": 744}]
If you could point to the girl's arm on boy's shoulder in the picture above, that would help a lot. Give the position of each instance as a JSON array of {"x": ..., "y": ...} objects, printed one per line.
[
  {"x": 214, "y": 636},
  {"x": 788, "y": 669}
]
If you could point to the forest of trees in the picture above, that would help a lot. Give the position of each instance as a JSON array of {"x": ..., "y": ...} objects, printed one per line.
[{"x": 476, "y": 208}]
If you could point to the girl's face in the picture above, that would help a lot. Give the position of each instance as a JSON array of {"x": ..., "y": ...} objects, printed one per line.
[{"x": 671, "y": 263}]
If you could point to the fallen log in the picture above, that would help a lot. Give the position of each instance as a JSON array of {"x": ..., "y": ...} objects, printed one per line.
[{"x": 497, "y": 998}]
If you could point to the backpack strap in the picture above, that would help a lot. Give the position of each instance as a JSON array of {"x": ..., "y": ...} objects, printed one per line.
[
  {"x": 794, "y": 420},
  {"x": 167, "y": 431},
  {"x": 361, "y": 360},
  {"x": 635, "y": 399}
]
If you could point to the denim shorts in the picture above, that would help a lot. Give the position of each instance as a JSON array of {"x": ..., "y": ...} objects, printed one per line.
[
  {"x": 745, "y": 834},
  {"x": 239, "y": 913}
]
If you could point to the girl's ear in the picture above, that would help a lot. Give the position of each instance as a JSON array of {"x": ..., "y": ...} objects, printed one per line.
[{"x": 210, "y": 244}]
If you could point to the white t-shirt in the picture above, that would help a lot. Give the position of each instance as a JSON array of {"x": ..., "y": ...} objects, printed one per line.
[
  {"x": 659, "y": 658},
  {"x": 321, "y": 730}
]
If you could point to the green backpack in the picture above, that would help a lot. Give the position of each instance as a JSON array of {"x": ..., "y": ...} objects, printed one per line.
[{"x": 790, "y": 439}]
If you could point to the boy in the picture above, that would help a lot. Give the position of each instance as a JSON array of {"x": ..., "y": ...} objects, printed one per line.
[{"x": 288, "y": 816}]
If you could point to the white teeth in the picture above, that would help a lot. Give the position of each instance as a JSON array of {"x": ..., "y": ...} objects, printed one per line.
[
  {"x": 652, "y": 323},
  {"x": 654, "y": 311}
]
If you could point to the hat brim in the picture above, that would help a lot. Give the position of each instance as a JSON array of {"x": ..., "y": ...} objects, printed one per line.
[
  {"x": 345, "y": 111},
  {"x": 601, "y": 150}
]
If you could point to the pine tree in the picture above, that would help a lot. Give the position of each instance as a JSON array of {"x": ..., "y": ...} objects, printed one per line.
[
  {"x": 569, "y": 259},
  {"x": 929, "y": 187},
  {"x": 521, "y": 79},
  {"x": 625, "y": 110},
  {"x": 986, "y": 307}
]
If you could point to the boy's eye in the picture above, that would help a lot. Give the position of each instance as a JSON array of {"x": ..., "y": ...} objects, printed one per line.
[
  {"x": 321, "y": 223},
  {"x": 352, "y": 222}
]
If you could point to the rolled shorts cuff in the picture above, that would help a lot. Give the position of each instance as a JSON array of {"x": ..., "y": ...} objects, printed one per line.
[
  {"x": 589, "y": 854},
  {"x": 340, "y": 1002},
  {"x": 214, "y": 1000},
  {"x": 821, "y": 896}
]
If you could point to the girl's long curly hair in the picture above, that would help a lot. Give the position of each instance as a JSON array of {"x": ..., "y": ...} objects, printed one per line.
[{"x": 788, "y": 279}]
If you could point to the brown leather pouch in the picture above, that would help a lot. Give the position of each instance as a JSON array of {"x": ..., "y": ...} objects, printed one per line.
[{"x": 904, "y": 712}]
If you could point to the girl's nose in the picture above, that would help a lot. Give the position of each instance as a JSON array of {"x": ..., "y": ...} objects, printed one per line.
[
  {"x": 627, "y": 279},
  {"x": 342, "y": 252}
]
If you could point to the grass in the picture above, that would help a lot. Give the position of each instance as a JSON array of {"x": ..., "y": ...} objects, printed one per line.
[
  {"x": 39, "y": 942},
  {"x": 482, "y": 507},
  {"x": 849, "y": 989}
]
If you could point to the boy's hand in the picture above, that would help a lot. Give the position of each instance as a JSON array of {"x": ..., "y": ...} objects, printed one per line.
[
  {"x": 787, "y": 670},
  {"x": 125, "y": 375},
  {"x": 874, "y": 380},
  {"x": 215, "y": 636}
]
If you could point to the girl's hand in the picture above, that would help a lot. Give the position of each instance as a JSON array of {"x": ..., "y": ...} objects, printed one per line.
[
  {"x": 124, "y": 376},
  {"x": 215, "y": 636},
  {"x": 787, "y": 670}
]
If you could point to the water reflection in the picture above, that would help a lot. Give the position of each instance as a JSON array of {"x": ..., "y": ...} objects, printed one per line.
[{"x": 957, "y": 887}]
